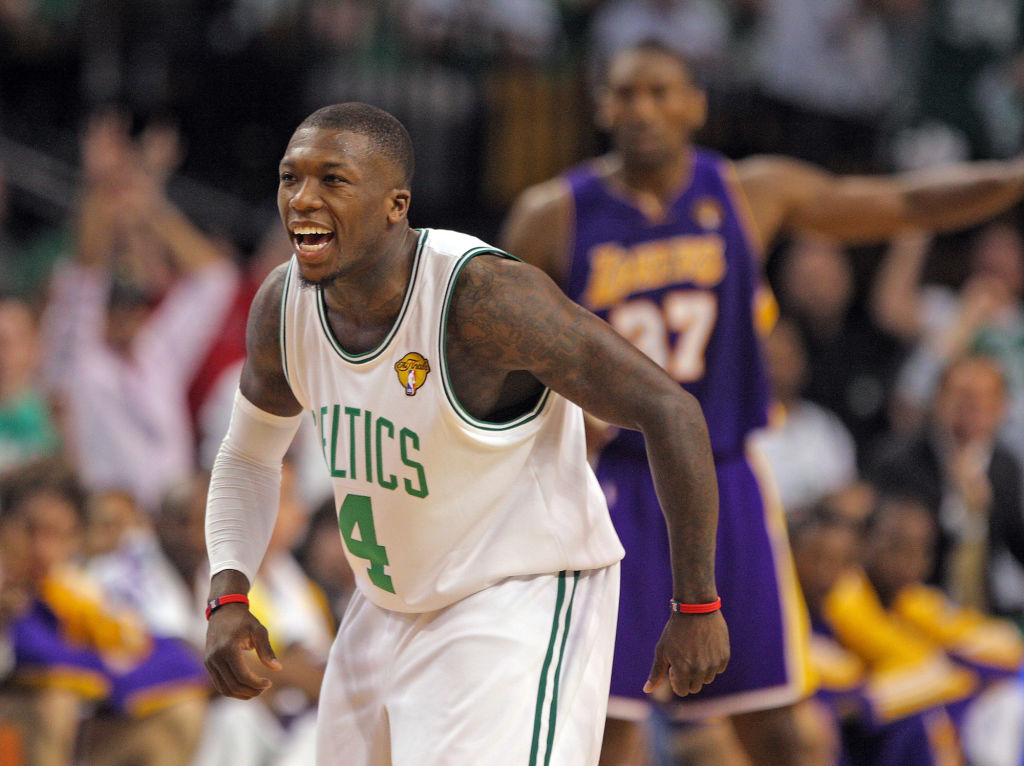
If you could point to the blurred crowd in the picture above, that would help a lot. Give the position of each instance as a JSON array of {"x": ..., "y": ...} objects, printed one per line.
[{"x": 138, "y": 150}]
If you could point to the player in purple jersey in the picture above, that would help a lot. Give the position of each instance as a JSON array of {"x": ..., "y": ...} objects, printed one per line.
[{"x": 665, "y": 241}]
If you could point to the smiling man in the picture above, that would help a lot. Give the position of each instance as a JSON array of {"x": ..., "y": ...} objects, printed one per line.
[{"x": 445, "y": 379}]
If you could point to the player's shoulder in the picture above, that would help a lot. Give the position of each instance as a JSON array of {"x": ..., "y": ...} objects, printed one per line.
[
  {"x": 556, "y": 195},
  {"x": 497, "y": 301},
  {"x": 265, "y": 310},
  {"x": 776, "y": 186},
  {"x": 491, "y": 279},
  {"x": 539, "y": 225},
  {"x": 271, "y": 292},
  {"x": 453, "y": 243},
  {"x": 546, "y": 198},
  {"x": 772, "y": 169}
]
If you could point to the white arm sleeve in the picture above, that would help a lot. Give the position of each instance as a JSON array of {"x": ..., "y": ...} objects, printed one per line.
[{"x": 245, "y": 487}]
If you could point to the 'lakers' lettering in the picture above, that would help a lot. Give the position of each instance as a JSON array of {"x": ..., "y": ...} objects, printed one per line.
[
  {"x": 617, "y": 272},
  {"x": 360, "y": 446}
]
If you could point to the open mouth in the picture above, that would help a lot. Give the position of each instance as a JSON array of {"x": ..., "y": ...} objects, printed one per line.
[{"x": 311, "y": 239}]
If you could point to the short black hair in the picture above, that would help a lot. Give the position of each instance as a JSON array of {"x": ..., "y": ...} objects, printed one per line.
[
  {"x": 383, "y": 128},
  {"x": 49, "y": 475},
  {"x": 818, "y": 517},
  {"x": 898, "y": 500},
  {"x": 650, "y": 45}
]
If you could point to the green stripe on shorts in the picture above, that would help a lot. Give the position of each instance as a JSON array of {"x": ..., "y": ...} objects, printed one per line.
[{"x": 556, "y": 623}]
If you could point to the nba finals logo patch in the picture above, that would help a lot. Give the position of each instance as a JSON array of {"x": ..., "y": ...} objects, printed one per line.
[
  {"x": 708, "y": 214},
  {"x": 412, "y": 372}
]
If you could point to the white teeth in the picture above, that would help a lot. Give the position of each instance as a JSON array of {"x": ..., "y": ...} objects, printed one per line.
[
  {"x": 310, "y": 230},
  {"x": 312, "y": 248}
]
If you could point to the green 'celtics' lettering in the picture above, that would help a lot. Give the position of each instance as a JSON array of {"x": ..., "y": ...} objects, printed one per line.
[
  {"x": 335, "y": 471},
  {"x": 368, "y": 449},
  {"x": 391, "y": 481},
  {"x": 356, "y": 512},
  {"x": 320, "y": 425},
  {"x": 352, "y": 413},
  {"x": 351, "y": 437},
  {"x": 406, "y": 435}
]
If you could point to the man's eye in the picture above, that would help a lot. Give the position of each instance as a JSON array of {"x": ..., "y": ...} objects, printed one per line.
[
  {"x": 286, "y": 177},
  {"x": 333, "y": 179}
]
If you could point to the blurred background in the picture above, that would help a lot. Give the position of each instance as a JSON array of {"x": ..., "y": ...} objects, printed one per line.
[
  {"x": 494, "y": 92},
  {"x": 139, "y": 142}
]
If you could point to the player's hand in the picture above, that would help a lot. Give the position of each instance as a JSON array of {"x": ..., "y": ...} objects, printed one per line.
[
  {"x": 692, "y": 650},
  {"x": 232, "y": 631}
]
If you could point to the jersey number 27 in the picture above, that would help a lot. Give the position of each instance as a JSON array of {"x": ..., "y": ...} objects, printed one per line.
[{"x": 691, "y": 314}]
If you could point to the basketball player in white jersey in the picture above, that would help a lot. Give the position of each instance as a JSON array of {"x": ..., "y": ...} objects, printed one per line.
[{"x": 445, "y": 380}]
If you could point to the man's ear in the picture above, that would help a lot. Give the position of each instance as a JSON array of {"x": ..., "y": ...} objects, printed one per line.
[{"x": 398, "y": 205}]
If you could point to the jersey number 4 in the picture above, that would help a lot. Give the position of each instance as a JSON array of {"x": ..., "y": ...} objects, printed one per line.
[
  {"x": 356, "y": 517},
  {"x": 691, "y": 314}
]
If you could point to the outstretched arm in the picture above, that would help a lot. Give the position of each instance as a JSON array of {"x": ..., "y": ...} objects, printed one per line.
[
  {"x": 509, "y": 316},
  {"x": 787, "y": 195},
  {"x": 244, "y": 492}
]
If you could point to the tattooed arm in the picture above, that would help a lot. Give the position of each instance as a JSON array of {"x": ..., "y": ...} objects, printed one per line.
[{"x": 508, "y": 320}]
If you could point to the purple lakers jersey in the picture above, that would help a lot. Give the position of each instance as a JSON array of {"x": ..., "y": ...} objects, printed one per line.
[{"x": 681, "y": 289}]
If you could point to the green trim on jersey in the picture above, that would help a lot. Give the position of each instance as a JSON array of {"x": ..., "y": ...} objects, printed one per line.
[
  {"x": 556, "y": 624},
  {"x": 373, "y": 353},
  {"x": 449, "y": 390},
  {"x": 284, "y": 305}
]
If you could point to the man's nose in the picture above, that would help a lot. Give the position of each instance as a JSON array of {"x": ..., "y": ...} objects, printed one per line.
[
  {"x": 642, "y": 107},
  {"x": 307, "y": 196}
]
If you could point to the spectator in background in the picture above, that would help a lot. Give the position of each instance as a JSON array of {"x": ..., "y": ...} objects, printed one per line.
[
  {"x": 155, "y": 568},
  {"x": 27, "y": 430},
  {"x": 971, "y": 483},
  {"x": 77, "y": 658},
  {"x": 217, "y": 376},
  {"x": 181, "y": 533},
  {"x": 985, "y": 315},
  {"x": 112, "y": 519},
  {"x": 857, "y": 694},
  {"x": 852, "y": 504},
  {"x": 850, "y": 362},
  {"x": 129, "y": 561},
  {"x": 887, "y": 616},
  {"x": 120, "y": 355},
  {"x": 810, "y": 450}
]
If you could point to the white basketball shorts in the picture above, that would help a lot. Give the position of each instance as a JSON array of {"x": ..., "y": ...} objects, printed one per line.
[{"x": 515, "y": 675}]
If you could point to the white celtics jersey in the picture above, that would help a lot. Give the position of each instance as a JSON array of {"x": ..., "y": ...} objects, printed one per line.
[{"x": 433, "y": 504}]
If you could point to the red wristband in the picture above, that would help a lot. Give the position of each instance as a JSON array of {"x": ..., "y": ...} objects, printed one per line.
[
  {"x": 681, "y": 608},
  {"x": 232, "y": 598}
]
